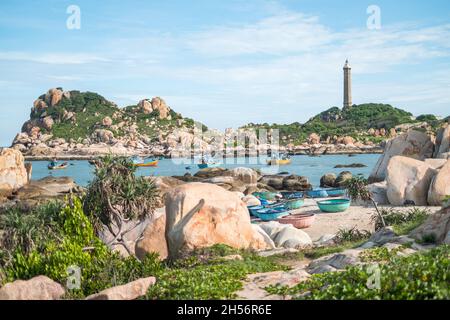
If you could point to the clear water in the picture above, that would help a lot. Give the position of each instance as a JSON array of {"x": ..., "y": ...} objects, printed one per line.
[{"x": 312, "y": 167}]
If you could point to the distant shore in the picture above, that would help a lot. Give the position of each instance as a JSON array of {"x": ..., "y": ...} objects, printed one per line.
[{"x": 68, "y": 157}]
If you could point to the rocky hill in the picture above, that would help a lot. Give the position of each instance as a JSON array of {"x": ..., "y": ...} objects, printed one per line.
[
  {"x": 85, "y": 123},
  {"x": 367, "y": 123},
  {"x": 82, "y": 125}
]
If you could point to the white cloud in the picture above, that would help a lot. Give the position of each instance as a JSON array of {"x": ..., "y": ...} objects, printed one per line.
[{"x": 52, "y": 58}]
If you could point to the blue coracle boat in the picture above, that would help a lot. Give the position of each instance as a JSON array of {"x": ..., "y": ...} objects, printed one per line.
[
  {"x": 334, "y": 205},
  {"x": 317, "y": 193},
  {"x": 336, "y": 192},
  {"x": 269, "y": 214}
]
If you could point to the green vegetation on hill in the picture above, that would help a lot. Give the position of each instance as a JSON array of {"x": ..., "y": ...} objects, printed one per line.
[
  {"x": 78, "y": 116},
  {"x": 354, "y": 121}
]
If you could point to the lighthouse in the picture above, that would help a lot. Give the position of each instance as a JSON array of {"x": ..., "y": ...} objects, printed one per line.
[{"x": 347, "y": 85}]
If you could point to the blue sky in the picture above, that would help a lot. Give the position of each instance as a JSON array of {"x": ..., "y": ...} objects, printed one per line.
[{"x": 226, "y": 63}]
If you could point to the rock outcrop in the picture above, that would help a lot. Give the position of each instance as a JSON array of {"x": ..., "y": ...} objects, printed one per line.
[
  {"x": 201, "y": 215},
  {"x": 13, "y": 173},
  {"x": 413, "y": 144},
  {"x": 408, "y": 181},
  {"x": 437, "y": 226},
  {"x": 153, "y": 239},
  {"x": 129, "y": 291},
  {"x": 440, "y": 186},
  {"x": 442, "y": 149},
  {"x": 37, "y": 288}
]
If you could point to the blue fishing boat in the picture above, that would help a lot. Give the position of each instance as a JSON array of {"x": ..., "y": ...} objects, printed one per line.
[
  {"x": 334, "y": 205},
  {"x": 269, "y": 214},
  {"x": 336, "y": 192},
  {"x": 208, "y": 165},
  {"x": 293, "y": 204},
  {"x": 317, "y": 193},
  {"x": 269, "y": 196},
  {"x": 292, "y": 195},
  {"x": 252, "y": 210}
]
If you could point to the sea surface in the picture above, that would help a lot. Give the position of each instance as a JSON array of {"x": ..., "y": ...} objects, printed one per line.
[{"x": 312, "y": 167}]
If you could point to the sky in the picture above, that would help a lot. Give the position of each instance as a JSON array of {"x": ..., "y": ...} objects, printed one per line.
[{"x": 229, "y": 62}]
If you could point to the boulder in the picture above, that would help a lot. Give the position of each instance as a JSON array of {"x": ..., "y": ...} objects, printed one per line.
[
  {"x": 107, "y": 121},
  {"x": 160, "y": 105},
  {"x": 382, "y": 236},
  {"x": 437, "y": 225},
  {"x": 440, "y": 186},
  {"x": 251, "y": 200},
  {"x": 314, "y": 138},
  {"x": 153, "y": 239},
  {"x": 291, "y": 237},
  {"x": 246, "y": 175},
  {"x": 379, "y": 192},
  {"x": 37, "y": 288},
  {"x": 47, "y": 123},
  {"x": 13, "y": 174},
  {"x": 146, "y": 106},
  {"x": 436, "y": 163},
  {"x": 201, "y": 215},
  {"x": 129, "y": 291},
  {"x": 408, "y": 180},
  {"x": 273, "y": 181},
  {"x": 328, "y": 180},
  {"x": 53, "y": 96},
  {"x": 342, "y": 178},
  {"x": 335, "y": 262},
  {"x": 103, "y": 135},
  {"x": 296, "y": 183},
  {"x": 442, "y": 143},
  {"x": 412, "y": 144}
]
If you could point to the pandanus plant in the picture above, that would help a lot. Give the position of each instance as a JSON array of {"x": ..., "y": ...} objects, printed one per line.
[
  {"x": 118, "y": 199},
  {"x": 357, "y": 190}
]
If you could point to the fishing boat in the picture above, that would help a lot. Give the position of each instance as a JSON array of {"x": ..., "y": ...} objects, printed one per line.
[
  {"x": 317, "y": 193},
  {"x": 275, "y": 162},
  {"x": 208, "y": 165},
  {"x": 153, "y": 163},
  {"x": 291, "y": 194},
  {"x": 293, "y": 204},
  {"x": 336, "y": 192},
  {"x": 269, "y": 214},
  {"x": 269, "y": 196},
  {"x": 334, "y": 205},
  {"x": 299, "y": 221},
  {"x": 57, "y": 166}
]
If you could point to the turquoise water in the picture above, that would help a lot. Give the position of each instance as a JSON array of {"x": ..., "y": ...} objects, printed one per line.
[{"x": 311, "y": 167}]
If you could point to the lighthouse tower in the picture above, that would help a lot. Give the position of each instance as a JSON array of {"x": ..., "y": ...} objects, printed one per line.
[{"x": 347, "y": 85}]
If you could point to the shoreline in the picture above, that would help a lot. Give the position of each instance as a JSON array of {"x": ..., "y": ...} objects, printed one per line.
[{"x": 68, "y": 157}]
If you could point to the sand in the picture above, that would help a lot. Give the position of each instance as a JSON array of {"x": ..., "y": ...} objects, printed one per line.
[{"x": 356, "y": 216}]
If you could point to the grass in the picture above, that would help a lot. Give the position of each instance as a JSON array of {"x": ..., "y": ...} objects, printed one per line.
[
  {"x": 420, "y": 276},
  {"x": 402, "y": 222}
]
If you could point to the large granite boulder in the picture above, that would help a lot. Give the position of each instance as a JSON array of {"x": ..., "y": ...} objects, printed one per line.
[
  {"x": 129, "y": 291},
  {"x": 37, "y": 288},
  {"x": 408, "y": 181},
  {"x": 282, "y": 182},
  {"x": 412, "y": 144},
  {"x": 342, "y": 178},
  {"x": 442, "y": 148},
  {"x": 200, "y": 215},
  {"x": 327, "y": 180},
  {"x": 13, "y": 173},
  {"x": 379, "y": 192},
  {"x": 153, "y": 239},
  {"x": 437, "y": 226},
  {"x": 440, "y": 186}
]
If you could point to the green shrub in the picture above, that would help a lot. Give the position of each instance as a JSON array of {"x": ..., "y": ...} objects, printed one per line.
[
  {"x": 419, "y": 276},
  {"x": 402, "y": 222},
  {"x": 73, "y": 244}
]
